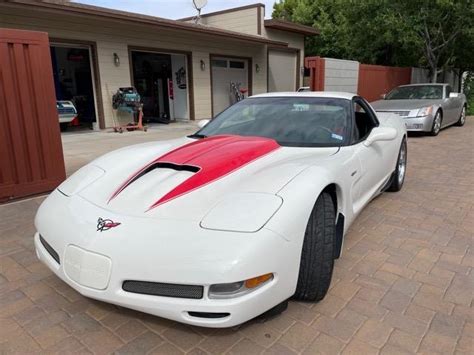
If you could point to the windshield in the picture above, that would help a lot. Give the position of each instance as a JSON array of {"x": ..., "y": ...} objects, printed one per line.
[
  {"x": 291, "y": 121},
  {"x": 418, "y": 92}
]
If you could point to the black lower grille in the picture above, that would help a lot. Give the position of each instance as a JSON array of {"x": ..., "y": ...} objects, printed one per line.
[
  {"x": 50, "y": 250},
  {"x": 208, "y": 315},
  {"x": 163, "y": 289}
]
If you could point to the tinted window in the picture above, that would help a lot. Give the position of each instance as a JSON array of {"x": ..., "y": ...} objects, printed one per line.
[
  {"x": 418, "y": 92},
  {"x": 292, "y": 121}
]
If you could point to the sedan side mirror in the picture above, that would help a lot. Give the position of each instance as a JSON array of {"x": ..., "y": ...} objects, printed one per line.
[
  {"x": 380, "y": 134},
  {"x": 383, "y": 96},
  {"x": 202, "y": 123},
  {"x": 453, "y": 95}
]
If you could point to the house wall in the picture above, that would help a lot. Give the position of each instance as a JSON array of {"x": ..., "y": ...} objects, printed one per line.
[
  {"x": 112, "y": 37},
  {"x": 241, "y": 20}
]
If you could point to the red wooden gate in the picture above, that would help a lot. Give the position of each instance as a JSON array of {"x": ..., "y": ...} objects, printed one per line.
[{"x": 31, "y": 155}]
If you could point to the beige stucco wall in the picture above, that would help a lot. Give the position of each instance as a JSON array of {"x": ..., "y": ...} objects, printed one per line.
[
  {"x": 243, "y": 21},
  {"x": 112, "y": 37}
]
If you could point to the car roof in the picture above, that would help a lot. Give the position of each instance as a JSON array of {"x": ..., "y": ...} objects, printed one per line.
[{"x": 324, "y": 94}]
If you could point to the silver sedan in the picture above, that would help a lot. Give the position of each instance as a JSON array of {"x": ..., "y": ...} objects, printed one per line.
[{"x": 424, "y": 107}]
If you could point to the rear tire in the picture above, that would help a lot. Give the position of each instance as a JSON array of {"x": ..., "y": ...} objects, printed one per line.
[
  {"x": 398, "y": 176},
  {"x": 436, "y": 127},
  {"x": 317, "y": 256},
  {"x": 462, "y": 118}
]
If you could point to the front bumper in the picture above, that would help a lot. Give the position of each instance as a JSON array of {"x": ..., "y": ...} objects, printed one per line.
[
  {"x": 419, "y": 124},
  {"x": 169, "y": 251}
]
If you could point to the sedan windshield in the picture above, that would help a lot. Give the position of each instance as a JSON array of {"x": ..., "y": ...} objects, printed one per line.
[
  {"x": 418, "y": 92},
  {"x": 291, "y": 121}
]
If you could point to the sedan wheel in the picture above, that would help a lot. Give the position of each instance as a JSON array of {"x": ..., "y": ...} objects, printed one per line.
[
  {"x": 462, "y": 118},
  {"x": 436, "y": 124}
]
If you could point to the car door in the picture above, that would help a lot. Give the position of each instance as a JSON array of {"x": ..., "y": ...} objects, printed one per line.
[{"x": 375, "y": 166}]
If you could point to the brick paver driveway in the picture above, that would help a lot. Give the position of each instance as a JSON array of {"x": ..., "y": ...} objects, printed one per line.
[{"x": 404, "y": 283}]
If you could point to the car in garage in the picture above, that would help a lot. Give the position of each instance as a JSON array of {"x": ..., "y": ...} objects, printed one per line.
[
  {"x": 226, "y": 224},
  {"x": 67, "y": 113},
  {"x": 425, "y": 107}
]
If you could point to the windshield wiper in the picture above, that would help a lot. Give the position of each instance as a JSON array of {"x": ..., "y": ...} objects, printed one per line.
[{"x": 197, "y": 135}]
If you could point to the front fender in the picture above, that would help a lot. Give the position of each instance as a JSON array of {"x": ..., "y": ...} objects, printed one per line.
[{"x": 299, "y": 197}]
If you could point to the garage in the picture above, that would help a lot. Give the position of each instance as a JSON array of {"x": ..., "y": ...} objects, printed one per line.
[
  {"x": 74, "y": 81},
  {"x": 279, "y": 77},
  {"x": 229, "y": 75},
  {"x": 161, "y": 80}
]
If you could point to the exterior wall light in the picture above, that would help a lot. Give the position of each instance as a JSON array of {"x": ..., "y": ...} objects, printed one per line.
[
  {"x": 257, "y": 68},
  {"x": 203, "y": 65},
  {"x": 116, "y": 60}
]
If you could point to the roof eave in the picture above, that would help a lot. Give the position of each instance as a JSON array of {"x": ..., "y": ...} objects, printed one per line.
[{"x": 291, "y": 27}]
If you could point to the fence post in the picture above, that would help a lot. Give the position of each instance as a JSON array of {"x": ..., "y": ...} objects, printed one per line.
[{"x": 316, "y": 67}]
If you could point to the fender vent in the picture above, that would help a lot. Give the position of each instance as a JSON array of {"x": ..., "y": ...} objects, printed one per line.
[
  {"x": 163, "y": 289},
  {"x": 50, "y": 249}
]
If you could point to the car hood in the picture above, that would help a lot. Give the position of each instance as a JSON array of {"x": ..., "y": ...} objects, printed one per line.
[
  {"x": 184, "y": 178},
  {"x": 402, "y": 105}
]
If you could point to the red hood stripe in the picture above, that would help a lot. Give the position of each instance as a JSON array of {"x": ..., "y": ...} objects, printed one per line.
[{"x": 215, "y": 156}]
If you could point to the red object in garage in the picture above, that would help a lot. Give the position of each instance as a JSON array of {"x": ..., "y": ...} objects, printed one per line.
[{"x": 30, "y": 142}]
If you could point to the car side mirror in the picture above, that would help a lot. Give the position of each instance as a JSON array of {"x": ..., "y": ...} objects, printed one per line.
[
  {"x": 383, "y": 96},
  {"x": 380, "y": 134},
  {"x": 202, "y": 123},
  {"x": 453, "y": 95}
]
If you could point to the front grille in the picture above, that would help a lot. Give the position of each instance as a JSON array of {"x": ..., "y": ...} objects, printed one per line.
[
  {"x": 66, "y": 110},
  {"x": 50, "y": 249},
  {"x": 163, "y": 289}
]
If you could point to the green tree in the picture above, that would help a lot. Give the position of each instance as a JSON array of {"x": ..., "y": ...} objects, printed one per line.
[{"x": 398, "y": 32}]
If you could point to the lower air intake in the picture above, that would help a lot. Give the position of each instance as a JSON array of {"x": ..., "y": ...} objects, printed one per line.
[
  {"x": 163, "y": 289},
  {"x": 50, "y": 249}
]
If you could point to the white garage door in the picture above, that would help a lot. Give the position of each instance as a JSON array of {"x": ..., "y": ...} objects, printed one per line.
[
  {"x": 225, "y": 72},
  {"x": 281, "y": 70}
]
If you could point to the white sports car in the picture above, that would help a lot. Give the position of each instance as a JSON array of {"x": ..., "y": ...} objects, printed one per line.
[{"x": 221, "y": 226}]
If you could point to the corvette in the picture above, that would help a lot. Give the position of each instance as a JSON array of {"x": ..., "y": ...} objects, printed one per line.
[{"x": 224, "y": 225}]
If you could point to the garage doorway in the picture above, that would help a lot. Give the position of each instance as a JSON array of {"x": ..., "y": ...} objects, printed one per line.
[
  {"x": 283, "y": 73},
  {"x": 74, "y": 81},
  {"x": 161, "y": 80},
  {"x": 225, "y": 73}
]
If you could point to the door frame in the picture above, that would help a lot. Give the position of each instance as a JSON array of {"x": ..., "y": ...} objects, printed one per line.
[
  {"x": 189, "y": 69},
  {"x": 96, "y": 87},
  {"x": 298, "y": 60},
  {"x": 249, "y": 74}
]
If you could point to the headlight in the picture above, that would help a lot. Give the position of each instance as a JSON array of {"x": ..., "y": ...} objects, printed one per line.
[
  {"x": 425, "y": 111},
  {"x": 242, "y": 212},
  {"x": 81, "y": 179},
  {"x": 236, "y": 289}
]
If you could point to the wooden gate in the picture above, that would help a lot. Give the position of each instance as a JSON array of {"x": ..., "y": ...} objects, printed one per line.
[
  {"x": 316, "y": 66},
  {"x": 31, "y": 155},
  {"x": 375, "y": 80}
]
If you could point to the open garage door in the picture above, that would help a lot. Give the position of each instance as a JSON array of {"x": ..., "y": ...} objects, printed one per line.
[
  {"x": 225, "y": 74},
  {"x": 282, "y": 70}
]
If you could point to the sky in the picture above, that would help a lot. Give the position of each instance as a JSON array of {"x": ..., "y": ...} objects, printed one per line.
[{"x": 174, "y": 9}]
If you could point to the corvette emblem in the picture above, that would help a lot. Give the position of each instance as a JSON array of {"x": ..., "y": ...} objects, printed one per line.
[{"x": 106, "y": 224}]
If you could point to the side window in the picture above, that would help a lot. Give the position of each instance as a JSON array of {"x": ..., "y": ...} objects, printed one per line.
[
  {"x": 364, "y": 121},
  {"x": 448, "y": 91}
]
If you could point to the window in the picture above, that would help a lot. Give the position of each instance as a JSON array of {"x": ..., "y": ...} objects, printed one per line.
[
  {"x": 364, "y": 120},
  {"x": 236, "y": 64},
  {"x": 219, "y": 63}
]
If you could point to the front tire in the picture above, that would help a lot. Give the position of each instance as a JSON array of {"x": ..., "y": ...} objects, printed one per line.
[
  {"x": 462, "y": 118},
  {"x": 398, "y": 176},
  {"x": 317, "y": 256},
  {"x": 436, "y": 127}
]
